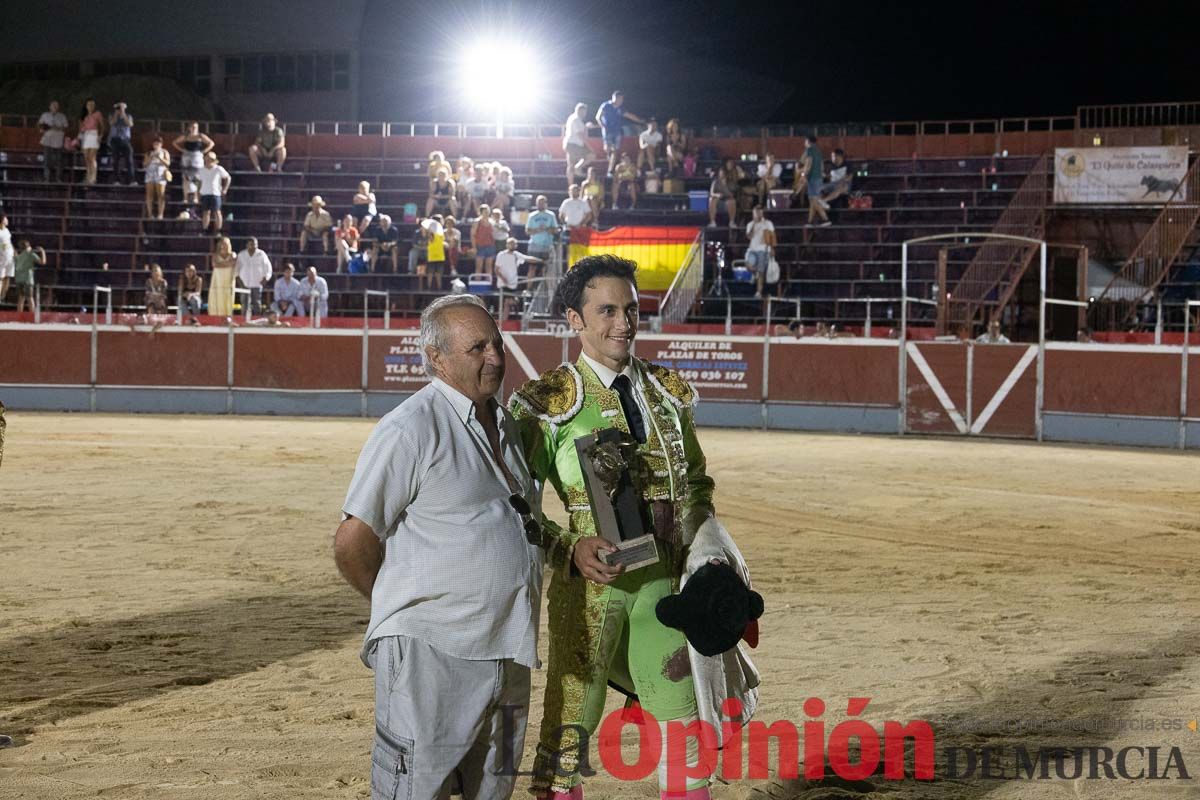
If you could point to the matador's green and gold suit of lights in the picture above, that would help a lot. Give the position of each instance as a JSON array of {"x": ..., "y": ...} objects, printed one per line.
[{"x": 609, "y": 633}]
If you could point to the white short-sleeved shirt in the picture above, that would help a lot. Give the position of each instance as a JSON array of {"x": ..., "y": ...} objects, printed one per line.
[
  {"x": 507, "y": 267},
  {"x": 573, "y": 211},
  {"x": 56, "y": 128},
  {"x": 458, "y": 572},
  {"x": 212, "y": 178},
  {"x": 6, "y": 248},
  {"x": 649, "y": 139},
  {"x": 756, "y": 232},
  {"x": 574, "y": 132}
]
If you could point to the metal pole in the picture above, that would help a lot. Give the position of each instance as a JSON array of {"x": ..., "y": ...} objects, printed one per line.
[
  {"x": 970, "y": 380},
  {"x": 902, "y": 377},
  {"x": 1183, "y": 371},
  {"x": 728, "y": 314},
  {"x": 1158, "y": 322},
  {"x": 867, "y": 325},
  {"x": 766, "y": 380},
  {"x": 1041, "y": 354},
  {"x": 229, "y": 366}
]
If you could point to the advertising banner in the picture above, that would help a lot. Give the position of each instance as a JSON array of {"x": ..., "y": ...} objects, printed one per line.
[{"x": 1119, "y": 175}]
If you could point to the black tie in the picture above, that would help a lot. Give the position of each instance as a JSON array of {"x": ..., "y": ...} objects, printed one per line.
[{"x": 633, "y": 414}]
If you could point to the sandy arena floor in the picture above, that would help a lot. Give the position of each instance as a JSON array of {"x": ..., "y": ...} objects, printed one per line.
[{"x": 172, "y": 625}]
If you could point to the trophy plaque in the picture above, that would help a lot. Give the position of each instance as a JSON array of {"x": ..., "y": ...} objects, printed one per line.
[{"x": 605, "y": 458}]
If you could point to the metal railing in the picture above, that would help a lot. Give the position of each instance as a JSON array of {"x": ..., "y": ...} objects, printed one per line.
[
  {"x": 686, "y": 286},
  {"x": 999, "y": 263},
  {"x": 246, "y": 306},
  {"x": 1138, "y": 115},
  {"x": 1151, "y": 260},
  {"x": 97, "y": 290},
  {"x": 367, "y": 295}
]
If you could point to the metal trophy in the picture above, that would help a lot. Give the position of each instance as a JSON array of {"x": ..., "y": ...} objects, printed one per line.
[{"x": 605, "y": 458}]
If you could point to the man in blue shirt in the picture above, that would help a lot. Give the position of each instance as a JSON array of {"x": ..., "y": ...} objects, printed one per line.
[
  {"x": 611, "y": 117},
  {"x": 542, "y": 227}
]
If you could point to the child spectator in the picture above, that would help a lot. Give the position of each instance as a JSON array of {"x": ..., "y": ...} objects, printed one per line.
[
  {"x": 24, "y": 265},
  {"x": 346, "y": 240},
  {"x": 500, "y": 229},
  {"x": 156, "y": 291},
  {"x": 317, "y": 223}
]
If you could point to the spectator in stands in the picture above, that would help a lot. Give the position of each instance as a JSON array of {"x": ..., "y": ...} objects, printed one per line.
[
  {"x": 574, "y": 142},
  {"x": 442, "y": 194},
  {"x": 253, "y": 272},
  {"x": 363, "y": 207},
  {"x": 575, "y": 212},
  {"x": 91, "y": 128},
  {"x": 508, "y": 267},
  {"x": 387, "y": 243},
  {"x": 220, "y": 288},
  {"x": 437, "y": 163},
  {"x": 466, "y": 169},
  {"x": 721, "y": 193},
  {"x": 593, "y": 192},
  {"x": 346, "y": 241},
  {"x": 6, "y": 256},
  {"x": 27, "y": 260},
  {"x": 120, "y": 143},
  {"x": 435, "y": 269},
  {"x": 760, "y": 231},
  {"x": 315, "y": 293},
  {"x": 418, "y": 254},
  {"x": 677, "y": 146},
  {"x": 483, "y": 240},
  {"x": 214, "y": 185},
  {"x": 192, "y": 147},
  {"x": 453, "y": 244},
  {"x": 156, "y": 291},
  {"x": 840, "y": 179},
  {"x": 625, "y": 181},
  {"x": 769, "y": 172},
  {"x": 269, "y": 145},
  {"x": 649, "y": 141},
  {"x": 611, "y": 115},
  {"x": 288, "y": 294},
  {"x": 504, "y": 188},
  {"x": 53, "y": 124},
  {"x": 191, "y": 289},
  {"x": 809, "y": 179},
  {"x": 993, "y": 334},
  {"x": 500, "y": 228},
  {"x": 542, "y": 227},
  {"x": 317, "y": 224},
  {"x": 157, "y": 164}
]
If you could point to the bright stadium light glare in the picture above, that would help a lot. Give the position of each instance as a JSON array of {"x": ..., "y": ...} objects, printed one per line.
[{"x": 506, "y": 90}]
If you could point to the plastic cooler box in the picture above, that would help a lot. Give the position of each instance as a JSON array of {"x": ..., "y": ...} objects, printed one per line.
[
  {"x": 698, "y": 200},
  {"x": 479, "y": 283}
]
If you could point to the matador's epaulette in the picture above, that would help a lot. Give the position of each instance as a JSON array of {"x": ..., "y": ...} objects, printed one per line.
[
  {"x": 554, "y": 397},
  {"x": 672, "y": 385}
]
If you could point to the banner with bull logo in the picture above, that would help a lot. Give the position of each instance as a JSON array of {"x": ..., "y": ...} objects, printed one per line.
[{"x": 1119, "y": 175}]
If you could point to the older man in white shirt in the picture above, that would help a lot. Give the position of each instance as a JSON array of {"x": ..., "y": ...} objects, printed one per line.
[
  {"x": 314, "y": 294},
  {"x": 440, "y": 535},
  {"x": 253, "y": 270}
]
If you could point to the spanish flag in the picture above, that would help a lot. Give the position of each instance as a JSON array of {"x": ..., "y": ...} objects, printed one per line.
[{"x": 659, "y": 250}]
